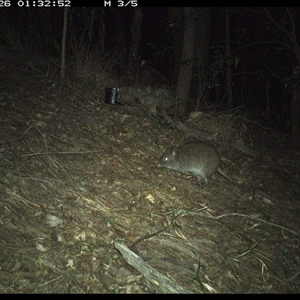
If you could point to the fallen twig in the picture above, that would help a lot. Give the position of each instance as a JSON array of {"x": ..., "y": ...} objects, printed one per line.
[{"x": 150, "y": 273}]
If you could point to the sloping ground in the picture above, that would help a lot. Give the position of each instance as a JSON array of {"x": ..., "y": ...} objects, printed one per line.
[{"x": 77, "y": 175}]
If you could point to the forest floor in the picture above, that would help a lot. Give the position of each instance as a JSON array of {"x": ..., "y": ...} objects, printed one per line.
[{"x": 79, "y": 181}]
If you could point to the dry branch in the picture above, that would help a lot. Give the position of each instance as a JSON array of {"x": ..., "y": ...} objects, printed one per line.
[{"x": 150, "y": 273}]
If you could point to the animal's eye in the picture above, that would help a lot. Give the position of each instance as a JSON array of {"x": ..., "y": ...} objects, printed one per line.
[{"x": 166, "y": 159}]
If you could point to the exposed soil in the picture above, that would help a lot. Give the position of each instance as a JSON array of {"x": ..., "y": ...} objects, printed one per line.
[{"x": 78, "y": 175}]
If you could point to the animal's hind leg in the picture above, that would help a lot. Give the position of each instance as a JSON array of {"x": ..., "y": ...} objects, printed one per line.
[{"x": 201, "y": 183}]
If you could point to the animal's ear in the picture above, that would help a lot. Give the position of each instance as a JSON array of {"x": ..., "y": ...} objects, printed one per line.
[{"x": 174, "y": 152}]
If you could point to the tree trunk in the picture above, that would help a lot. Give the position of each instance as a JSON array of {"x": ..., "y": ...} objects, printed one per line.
[
  {"x": 133, "y": 58},
  {"x": 176, "y": 25},
  {"x": 199, "y": 87},
  {"x": 295, "y": 105},
  {"x": 63, "y": 45},
  {"x": 186, "y": 69},
  {"x": 296, "y": 108},
  {"x": 230, "y": 101}
]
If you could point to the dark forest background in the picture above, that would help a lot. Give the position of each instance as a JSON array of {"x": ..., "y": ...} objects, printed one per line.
[{"x": 211, "y": 57}]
